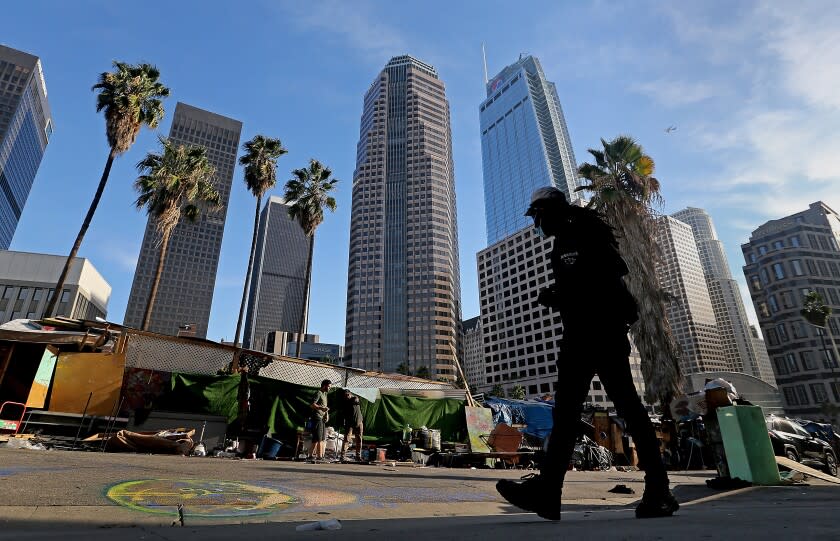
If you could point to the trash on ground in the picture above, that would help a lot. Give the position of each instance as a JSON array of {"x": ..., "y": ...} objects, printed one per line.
[
  {"x": 24, "y": 443},
  {"x": 621, "y": 489},
  {"x": 331, "y": 524}
]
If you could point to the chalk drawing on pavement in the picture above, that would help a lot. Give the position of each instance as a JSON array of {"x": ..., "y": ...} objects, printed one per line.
[{"x": 201, "y": 498}]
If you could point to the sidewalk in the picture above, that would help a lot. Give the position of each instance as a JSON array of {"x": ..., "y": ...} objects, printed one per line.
[{"x": 45, "y": 490}]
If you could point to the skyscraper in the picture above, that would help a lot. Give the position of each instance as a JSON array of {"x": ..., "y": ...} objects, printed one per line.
[
  {"x": 185, "y": 293},
  {"x": 739, "y": 346},
  {"x": 786, "y": 259},
  {"x": 524, "y": 145},
  {"x": 403, "y": 289},
  {"x": 472, "y": 360},
  {"x": 278, "y": 279},
  {"x": 25, "y": 129},
  {"x": 690, "y": 311}
]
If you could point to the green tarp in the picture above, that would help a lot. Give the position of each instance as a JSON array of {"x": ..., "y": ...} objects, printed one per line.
[{"x": 284, "y": 407}]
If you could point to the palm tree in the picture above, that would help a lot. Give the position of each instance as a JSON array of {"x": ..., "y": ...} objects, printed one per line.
[
  {"x": 260, "y": 161},
  {"x": 624, "y": 191},
  {"x": 816, "y": 312},
  {"x": 131, "y": 97},
  {"x": 518, "y": 392},
  {"x": 172, "y": 185},
  {"x": 308, "y": 192}
]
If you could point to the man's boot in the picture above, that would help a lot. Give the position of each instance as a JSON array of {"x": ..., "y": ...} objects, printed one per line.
[
  {"x": 656, "y": 503},
  {"x": 534, "y": 493}
]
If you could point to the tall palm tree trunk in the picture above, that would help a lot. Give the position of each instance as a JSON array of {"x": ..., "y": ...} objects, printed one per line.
[
  {"x": 305, "y": 315},
  {"x": 248, "y": 274},
  {"x": 147, "y": 316},
  {"x": 48, "y": 311}
]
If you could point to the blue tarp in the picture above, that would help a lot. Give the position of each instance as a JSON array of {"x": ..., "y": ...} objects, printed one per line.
[{"x": 535, "y": 414}]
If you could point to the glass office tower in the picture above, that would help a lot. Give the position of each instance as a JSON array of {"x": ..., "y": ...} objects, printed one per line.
[
  {"x": 278, "y": 279},
  {"x": 25, "y": 129},
  {"x": 524, "y": 145}
]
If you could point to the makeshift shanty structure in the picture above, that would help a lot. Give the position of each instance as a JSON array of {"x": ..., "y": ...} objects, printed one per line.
[{"x": 66, "y": 371}]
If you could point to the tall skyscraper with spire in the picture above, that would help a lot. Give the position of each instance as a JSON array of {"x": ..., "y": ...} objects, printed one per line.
[
  {"x": 403, "y": 289},
  {"x": 25, "y": 130},
  {"x": 741, "y": 349},
  {"x": 524, "y": 145},
  {"x": 185, "y": 293}
]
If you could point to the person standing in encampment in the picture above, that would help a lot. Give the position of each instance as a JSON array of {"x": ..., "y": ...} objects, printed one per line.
[
  {"x": 353, "y": 424},
  {"x": 320, "y": 416},
  {"x": 597, "y": 310}
]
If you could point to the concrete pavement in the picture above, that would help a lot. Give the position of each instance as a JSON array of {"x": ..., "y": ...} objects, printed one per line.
[{"x": 79, "y": 495}]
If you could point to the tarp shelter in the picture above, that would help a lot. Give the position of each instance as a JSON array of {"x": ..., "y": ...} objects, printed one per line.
[
  {"x": 536, "y": 415},
  {"x": 284, "y": 407}
]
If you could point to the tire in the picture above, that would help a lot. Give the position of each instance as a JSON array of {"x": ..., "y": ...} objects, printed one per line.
[
  {"x": 831, "y": 464},
  {"x": 791, "y": 454}
]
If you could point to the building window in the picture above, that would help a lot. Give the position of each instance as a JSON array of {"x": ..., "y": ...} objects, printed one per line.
[
  {"x": 762, "y": 250},
  {"x": 790, "y": 397},
  {"x": 794, "y": 241},
  {"x": 7, "y": 293},
  {"x": 24, "y": 291},
  {"x": 828, "y": 358},
  {"x": 783, "y": 335},
  {"x": 802, "y": 395},
  {"x": 774, "y": 305},
  {"x": 778, "y": 245},
  {"x": 752, "y": 257},
  {"x": 779, "y": 271},
  {"x": 818, "y": 393},
  {"x": 792, "y": 366},
  {"x": 797, "y": 267},
  {"x": 808, "y": 362},
  {"x": 756, "y": 285},
  {"x": 765, "y": 278}
]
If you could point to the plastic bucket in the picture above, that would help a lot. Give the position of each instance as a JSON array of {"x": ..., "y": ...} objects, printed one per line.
[{"x": 269, "y": 447}]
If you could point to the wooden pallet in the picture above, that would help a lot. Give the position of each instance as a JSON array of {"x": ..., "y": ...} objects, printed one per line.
[{"x": 788, "y": 463}]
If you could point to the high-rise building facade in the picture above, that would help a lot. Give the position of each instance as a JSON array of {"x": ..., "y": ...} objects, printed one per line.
[
  {"x": 520, "y": 340},
  {"x": 472, "y": 360},
  {"x": 403, "y": 289},
  {"x": 524, "y": 145},
  {"x": 25, "y": 130},
  {"x": 277, "y": 295},
  {"x": 739, "y": 346},
  {"x": 690, "y": 311},
  {"x": 785, "y": 260},
  {"x": 185, "y": 293},
  {"x": 27, "y": 283}
]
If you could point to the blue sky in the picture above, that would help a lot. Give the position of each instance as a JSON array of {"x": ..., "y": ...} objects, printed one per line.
[{"x": 751, "y": 88}]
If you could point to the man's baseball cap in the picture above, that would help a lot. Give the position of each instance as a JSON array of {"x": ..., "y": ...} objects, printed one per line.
[{"x": 544, "y": 197}]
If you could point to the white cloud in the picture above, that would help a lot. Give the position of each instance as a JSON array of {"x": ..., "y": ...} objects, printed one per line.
[
  {"x": 354, "y": 22},
  {"x": 677, "y": 93},
  {"x": 775, "y": 148}
]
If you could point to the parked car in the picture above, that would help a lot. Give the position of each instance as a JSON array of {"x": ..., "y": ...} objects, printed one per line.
[
  {"x": 794, "y": 442},
  {"x": 824, "y": 432}
]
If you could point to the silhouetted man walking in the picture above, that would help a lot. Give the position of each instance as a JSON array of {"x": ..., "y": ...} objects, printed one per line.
[{"x": 597, "y": 310}]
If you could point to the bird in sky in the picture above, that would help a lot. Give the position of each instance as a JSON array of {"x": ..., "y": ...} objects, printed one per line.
[{"x": 669, "y": 129}]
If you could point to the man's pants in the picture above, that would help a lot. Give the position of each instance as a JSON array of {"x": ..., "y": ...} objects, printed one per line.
[{"x": 605, "y": 352}]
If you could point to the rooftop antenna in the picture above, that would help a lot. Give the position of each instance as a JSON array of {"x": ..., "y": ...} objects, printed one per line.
[{"x": 484, "y": 55}]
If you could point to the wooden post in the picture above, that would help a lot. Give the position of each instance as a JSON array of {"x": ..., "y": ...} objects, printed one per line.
[{"x": 4, "y": 364}]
